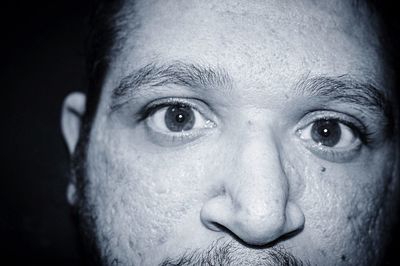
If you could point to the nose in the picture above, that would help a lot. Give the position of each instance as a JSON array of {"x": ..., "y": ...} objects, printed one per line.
[{"x": 253, "y": 203}]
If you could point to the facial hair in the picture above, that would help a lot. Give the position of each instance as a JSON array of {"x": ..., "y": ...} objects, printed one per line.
[{"x": 233, "y": 253}]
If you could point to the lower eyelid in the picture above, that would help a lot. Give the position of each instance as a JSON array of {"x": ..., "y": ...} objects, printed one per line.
[
  {"x": 172, "y": 139},
  {"x": 338, "y": 155}
]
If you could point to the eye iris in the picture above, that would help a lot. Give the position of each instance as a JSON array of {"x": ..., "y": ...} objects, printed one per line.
[
  {"x": 179, "y": 118},
  {"x": 326, "y": 132}
]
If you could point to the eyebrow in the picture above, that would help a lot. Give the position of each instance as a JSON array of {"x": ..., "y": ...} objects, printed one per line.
[
  {"x": 347, "y": 89},
  {"x": 343, "y": 88},
  {"x": 194, "y": 76}
]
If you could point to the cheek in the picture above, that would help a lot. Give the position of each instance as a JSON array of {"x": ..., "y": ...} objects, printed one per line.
[
  {"x": 142, "y": 197},
  {"x": 343, "y": 203}
]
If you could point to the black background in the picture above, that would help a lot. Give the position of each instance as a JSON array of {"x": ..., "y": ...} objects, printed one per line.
[{"x": 42, "y": 59}]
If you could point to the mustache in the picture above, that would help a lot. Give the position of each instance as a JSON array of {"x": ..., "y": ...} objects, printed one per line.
[{"x": 231, "y": 253}]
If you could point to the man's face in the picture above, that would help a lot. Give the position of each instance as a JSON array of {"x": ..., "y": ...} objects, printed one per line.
[{"x": 243, "y": 131}]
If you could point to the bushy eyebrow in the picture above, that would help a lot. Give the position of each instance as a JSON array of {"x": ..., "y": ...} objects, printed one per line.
[
  {"x": 347, "y": 89},
  {"x": 193, "y": 76},
  {"x": 344, "y": 88}
]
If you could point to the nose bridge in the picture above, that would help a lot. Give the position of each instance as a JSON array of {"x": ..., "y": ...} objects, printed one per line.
[{"x": 258, "y": 186}]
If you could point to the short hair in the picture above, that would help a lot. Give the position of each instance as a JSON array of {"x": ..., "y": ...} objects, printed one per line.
[{"x": 100, "y": 40}]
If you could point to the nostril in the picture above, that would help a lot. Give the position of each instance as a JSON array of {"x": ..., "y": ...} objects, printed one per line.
[
  {"x": 221, "y": 228},
  {"x": 215, "y": 213},
  {"x": 217, "y": 227},
  {"x": 290, "y": 234},
  {"x": 254, "y": 223}
]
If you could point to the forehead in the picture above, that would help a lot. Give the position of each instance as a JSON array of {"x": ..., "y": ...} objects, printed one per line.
[{"x": 273, "y": 43}]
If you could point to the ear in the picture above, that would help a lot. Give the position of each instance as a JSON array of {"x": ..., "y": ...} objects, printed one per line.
[{"x": 71, "y": 119}]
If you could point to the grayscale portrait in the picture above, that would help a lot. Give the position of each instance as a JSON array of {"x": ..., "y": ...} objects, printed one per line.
[{"x": 228, "y": 132}]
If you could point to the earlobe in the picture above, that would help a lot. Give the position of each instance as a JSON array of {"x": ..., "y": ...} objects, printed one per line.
[
  {"x": 71, "y": 118},
  {"x": 72, "y": 194}
]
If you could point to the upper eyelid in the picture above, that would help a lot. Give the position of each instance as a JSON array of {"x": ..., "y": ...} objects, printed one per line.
[
  {"x": 347, "y": 119},
  {"x": 201, "y": 106},
  {"x": 170, "y": 101}
]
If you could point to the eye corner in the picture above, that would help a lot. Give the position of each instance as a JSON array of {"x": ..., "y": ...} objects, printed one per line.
[{"x": 299, "y": 132}]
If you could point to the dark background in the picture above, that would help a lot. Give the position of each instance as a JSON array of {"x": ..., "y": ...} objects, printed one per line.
[{"x": 42, "y": 59}]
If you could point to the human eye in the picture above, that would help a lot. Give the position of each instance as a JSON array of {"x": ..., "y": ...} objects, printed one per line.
[
  {"x": 177, "y": 121},
  {"x": 332, "y": 136}
]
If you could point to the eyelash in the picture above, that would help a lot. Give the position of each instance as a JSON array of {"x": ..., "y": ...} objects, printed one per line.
[
  {"x": 361, "y": 131},
  {"x": 151, "y": 108}
]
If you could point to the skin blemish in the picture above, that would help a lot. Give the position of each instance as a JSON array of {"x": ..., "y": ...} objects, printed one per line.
[
  {"x": 323, "y": 169},
  {"x": 323, "y": 253},
  {"x": 162, "y": 240},
  {"x": 131, "y": 244},
  {"x": 115, "y": 262},
  {"x": 343, "y": 258}
]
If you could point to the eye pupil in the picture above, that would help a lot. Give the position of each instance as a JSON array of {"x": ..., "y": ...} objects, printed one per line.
[
  {"x": 179, "y": 118},
  {"x": 326, "y": 132}
]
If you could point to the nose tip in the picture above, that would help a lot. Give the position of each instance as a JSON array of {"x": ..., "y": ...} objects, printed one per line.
[
  {"x": 254, "y": 227},
  {"x": 263, "y": 228}
]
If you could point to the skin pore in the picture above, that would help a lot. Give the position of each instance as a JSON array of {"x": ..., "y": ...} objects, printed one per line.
[{"x": 286, "y": 153}]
